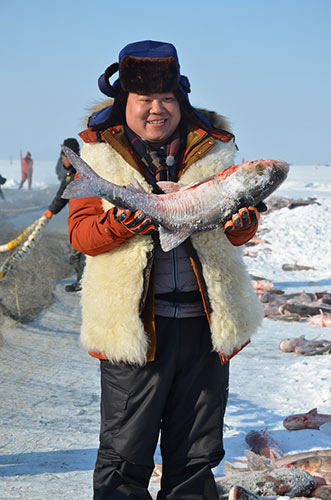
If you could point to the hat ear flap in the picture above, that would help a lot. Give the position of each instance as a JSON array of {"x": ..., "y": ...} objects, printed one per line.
[
  {"x": 184, "y": 83},
  {"x": 103, "y": 82}
]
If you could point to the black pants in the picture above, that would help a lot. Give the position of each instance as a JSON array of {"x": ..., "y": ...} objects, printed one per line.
[{"x": 183, "y": 394}]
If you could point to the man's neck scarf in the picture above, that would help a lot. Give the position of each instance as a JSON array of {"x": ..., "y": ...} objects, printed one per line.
[{"x": 160, "y": 163}]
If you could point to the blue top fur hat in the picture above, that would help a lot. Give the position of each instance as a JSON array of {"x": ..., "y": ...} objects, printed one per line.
[{"x": 145, "y": 67}]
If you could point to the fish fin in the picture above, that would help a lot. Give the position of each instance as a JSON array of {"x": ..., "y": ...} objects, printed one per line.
[
  {"x": 230, "y": 469},
  {"x": 171, "y": 239},
  {"x": 135, "y": 186},
  {"x": 313, "y": 411},
  {"x": 255, "y": 462},
  {"x": 170, "y": 187}
]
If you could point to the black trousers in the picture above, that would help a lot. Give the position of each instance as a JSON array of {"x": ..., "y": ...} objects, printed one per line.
[{"x": 183, "y": 395}]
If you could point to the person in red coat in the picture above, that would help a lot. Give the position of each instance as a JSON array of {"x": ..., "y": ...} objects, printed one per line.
[{"x": 26, "y": 164}]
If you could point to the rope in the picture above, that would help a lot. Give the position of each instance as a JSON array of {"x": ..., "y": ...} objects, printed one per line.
[
  {"x": 16, "y": 298},
  {"x": 17, "y": 257},
  {"x": 6, "y": 247}
]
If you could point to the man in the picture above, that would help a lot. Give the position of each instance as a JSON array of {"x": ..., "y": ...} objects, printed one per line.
[
  {"x": 163, "y": 324},
  {"x": 58, "y": 203},
  {"x": 26, "y": 165}
]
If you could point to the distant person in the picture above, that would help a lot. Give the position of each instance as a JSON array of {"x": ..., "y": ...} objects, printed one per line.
[
  {"x": 60, "y": 169},
  {"x": 26, "y": 165},
  {"x": 2, "y": 181},
  {"x": 58, "y": 203}
]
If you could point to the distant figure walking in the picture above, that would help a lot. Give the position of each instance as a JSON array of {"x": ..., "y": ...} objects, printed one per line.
[{"x": 26, "y": 164}]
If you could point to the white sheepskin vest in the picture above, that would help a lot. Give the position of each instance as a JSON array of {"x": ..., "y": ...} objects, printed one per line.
[{"x": 113, "y": 282}]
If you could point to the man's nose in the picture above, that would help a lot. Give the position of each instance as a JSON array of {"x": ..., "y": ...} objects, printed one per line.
[{"x": 157, "y": 106}]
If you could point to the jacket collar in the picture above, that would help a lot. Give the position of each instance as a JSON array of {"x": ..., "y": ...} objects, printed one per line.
[{"x": 199, "y": 143}]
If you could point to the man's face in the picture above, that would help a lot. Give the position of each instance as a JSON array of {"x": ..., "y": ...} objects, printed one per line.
[
  {"x": 65, "y": 161},
  {"x": 153, "y": 117}
]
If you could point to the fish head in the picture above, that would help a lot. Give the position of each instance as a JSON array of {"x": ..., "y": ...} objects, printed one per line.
[{"x": 294, "y": 422}]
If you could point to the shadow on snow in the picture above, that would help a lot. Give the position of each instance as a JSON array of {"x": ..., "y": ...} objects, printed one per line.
[{"x": 57, "y": 461}]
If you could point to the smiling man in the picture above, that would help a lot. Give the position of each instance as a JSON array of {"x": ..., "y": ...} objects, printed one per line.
[
  {"x": 155, "y": 117},
  {"x": 163, "y": 324}
]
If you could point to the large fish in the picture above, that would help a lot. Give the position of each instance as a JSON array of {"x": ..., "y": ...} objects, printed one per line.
[
  {"x": 289, "y": 482},
  {"x": 184, "y": 209}
]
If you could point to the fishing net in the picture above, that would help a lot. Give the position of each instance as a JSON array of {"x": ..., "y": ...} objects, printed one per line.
[{"x": 28, "y": 288}]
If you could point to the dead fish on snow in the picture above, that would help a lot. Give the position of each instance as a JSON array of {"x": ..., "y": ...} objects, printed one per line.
[
  {"x": 263, "y": 444},
  {"x": 240, "y": 493},
  {"x": 289, "y": 482},
  {"x": 184, "y": 210},
  {"x": 305, "y": 347},
  {"x": 310, "y": 420}
]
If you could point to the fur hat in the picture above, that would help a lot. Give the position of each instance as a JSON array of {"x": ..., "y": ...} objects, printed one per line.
[{"x": 145, "y": 67}]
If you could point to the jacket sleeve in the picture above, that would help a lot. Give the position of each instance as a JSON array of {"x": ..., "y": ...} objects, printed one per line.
[
  {"x": 58, "y": 202},
  {"x": 241, "y": 236},
  {"x": 92, "y": 230}
]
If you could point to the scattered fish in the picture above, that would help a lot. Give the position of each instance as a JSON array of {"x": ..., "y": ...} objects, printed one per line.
[
  {"x": 317, "y": 463},
  {"x": 296, "y": 267},
  {"x": 321, "y": 319},
  {"x": 319, "y": 466},
  {"x": 277, "y": 202},
  {"x": 310, "y": 420},
  {"x": 305, "y": 310},
  {"x": 239, "y": 493},
  {"x": 323, "y": 492},
  {"x": 262, "y": 443},
  {"x": 293, "y": 457},
  {"x": 290, "y": 482},
  {"x": 185, "y": 210}
]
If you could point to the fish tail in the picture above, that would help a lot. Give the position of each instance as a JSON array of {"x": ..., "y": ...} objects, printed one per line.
[
  {"x": 87, "y": 182},
  {"x": 80, "y": 165},
  {"x": 79, "y": 188}
]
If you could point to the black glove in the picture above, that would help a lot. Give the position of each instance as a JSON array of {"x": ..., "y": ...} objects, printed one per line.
[
  {"x": 244, "y": 218},
  {"x": 261, "y": 207},
  {"x": 136, "y": 222}
]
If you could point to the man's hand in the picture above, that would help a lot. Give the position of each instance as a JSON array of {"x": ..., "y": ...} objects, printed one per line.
[
  {"x": 136, "y": 222},
  {"x": 48, "y": 214},
  {"x": 241, "y": 220}
]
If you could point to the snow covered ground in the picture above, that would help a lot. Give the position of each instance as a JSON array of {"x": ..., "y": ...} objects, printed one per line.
[{"x": 49, "y": 417}]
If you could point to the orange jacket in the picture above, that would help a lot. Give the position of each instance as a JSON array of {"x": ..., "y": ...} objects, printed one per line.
[
  {"x": 99, "y": 233},
  {"x": 93, "y": 231}
]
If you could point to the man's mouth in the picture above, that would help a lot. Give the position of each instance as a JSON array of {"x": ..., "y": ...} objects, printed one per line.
[{"x": 156, "y": 122}]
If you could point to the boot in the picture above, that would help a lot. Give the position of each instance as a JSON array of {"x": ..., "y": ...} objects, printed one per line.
[
  {"x": 78, "y": 261},
  {"x": 74, "y": 287}
]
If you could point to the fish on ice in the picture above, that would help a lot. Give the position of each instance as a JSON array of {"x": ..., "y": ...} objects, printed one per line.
[
  {"x": 289, "y": 482},
  {"x": 310, "y": 420},
  {"x": 184, "y": 209},
  {"x": 261, "y": 443},
  {"x": 239, "y": 493}
]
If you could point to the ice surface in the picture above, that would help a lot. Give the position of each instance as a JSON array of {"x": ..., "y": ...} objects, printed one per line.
[{"x": 50, "y": 386}]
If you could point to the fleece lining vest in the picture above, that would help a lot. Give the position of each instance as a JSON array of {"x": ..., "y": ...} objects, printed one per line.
[{"x": 113, "y": 282}]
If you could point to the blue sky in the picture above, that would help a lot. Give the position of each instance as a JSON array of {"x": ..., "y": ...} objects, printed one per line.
[{"x": 264, "y": 64}]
